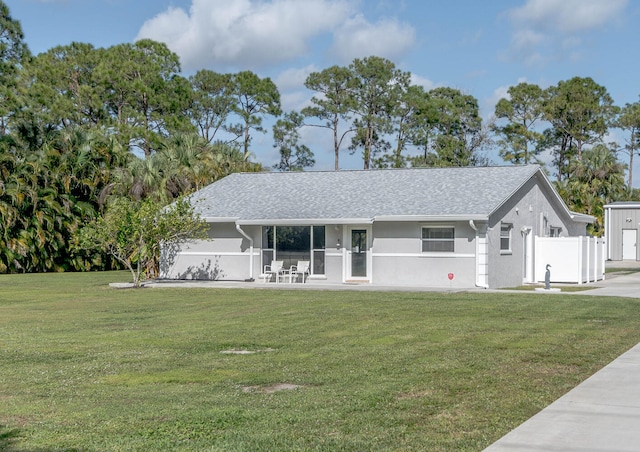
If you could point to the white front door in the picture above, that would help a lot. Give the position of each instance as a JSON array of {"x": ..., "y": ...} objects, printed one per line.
[
  {"x": 629, "y": 239},
  {"x": 358, "y": 253}
]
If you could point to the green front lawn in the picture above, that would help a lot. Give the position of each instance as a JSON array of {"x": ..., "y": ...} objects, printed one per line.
[
  {"x": 87, "y": 367},
  {"x": 622, "y": 270}
]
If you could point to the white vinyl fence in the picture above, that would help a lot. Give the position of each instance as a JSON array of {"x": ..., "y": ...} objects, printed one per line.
[{"x": 572, "y": 259}]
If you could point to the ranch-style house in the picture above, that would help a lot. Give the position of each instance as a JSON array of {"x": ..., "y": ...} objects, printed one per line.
[{"x": 418, "y": 227}]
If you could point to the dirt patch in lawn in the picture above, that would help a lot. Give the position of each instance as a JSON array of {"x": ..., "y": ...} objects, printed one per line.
[
  {"x": 271, "y": 388},
  {"x": 246, "y": 352},
  {"x": 415, "y": 395}
]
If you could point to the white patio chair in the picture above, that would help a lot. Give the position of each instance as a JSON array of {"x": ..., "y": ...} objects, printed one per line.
[
  {"x": 272, "y": 270},
  {"x": 301, "y": 269}
]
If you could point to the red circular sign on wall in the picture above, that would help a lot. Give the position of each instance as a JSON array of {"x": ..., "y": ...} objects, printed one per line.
[{"x": 450, "y": 276}]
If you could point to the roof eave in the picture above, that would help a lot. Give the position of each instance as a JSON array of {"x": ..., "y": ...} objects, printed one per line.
[
  {"x": 220, "y": 219},
  {"x": 321, "y": 221},
  {"x": 623, "y": 205},
  {"x": 303, "y": 221},
  {"x": 456, "y": 217},
  {"x": 582, "y": 217}
]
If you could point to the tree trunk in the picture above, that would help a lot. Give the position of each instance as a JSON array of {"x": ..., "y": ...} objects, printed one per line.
[
  {"x": 632, "y": 149},
  {"x": 336, "y": 145},
  {"x": 246, "y": 141}
]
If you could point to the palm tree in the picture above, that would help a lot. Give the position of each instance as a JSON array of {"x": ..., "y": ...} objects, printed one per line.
[
  {"x": 595, "y": 180},
  {"x": 46, "y": 195}
]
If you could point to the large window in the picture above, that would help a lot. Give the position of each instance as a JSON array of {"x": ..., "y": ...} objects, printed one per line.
[
  {"x": 294, "y": 243},
  {"x": 438, "y": 240},
  {"x": 505, "y": 237}
]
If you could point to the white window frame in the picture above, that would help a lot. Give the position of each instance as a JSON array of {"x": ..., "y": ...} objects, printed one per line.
[
  {"x": 424, "y": 240},
  {"x": 313, "y": 252},
  {"x": 555, "y": 231},
  {"x": 508, "y": 228}
]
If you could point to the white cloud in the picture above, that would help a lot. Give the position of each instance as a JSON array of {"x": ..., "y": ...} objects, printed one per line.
[
  {"x": 524, "y": 47},
  {"x": 170, "y": 27},
  {"x": 422, "y": 81},
  {"x": 527, "y": 39},
  {"x": 358, "y": 38},
  {"x": 568, "y": 16},
  {"x": 290, "y": 84},
  {"x": 245, "y": 33},
  {"x": 250, "y": 34},
  {"x": 294, "y": 77},
  {"x": 295, "y": 100},
  {"x": 501, "y": 92},
  {"x": 552, "y": 28}
]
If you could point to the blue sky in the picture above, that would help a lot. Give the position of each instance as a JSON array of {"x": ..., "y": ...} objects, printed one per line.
[{"x": 479, "y": 47}]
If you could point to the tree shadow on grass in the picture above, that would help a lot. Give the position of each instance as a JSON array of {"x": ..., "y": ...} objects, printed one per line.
[{"x": 8, "y": 438}]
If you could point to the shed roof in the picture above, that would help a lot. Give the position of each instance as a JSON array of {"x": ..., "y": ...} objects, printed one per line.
[
  {"x": 361, "y": 196},
  {"x": 623, "y": 205}
]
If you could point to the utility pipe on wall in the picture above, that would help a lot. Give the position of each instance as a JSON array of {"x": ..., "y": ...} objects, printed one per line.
[
  {"x": 246, "y": 236},
  {"x": 479, "y": 283}
]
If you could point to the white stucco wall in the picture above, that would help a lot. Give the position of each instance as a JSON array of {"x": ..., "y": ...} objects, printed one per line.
[
  {"x": 529, "y": 208},
  {"x": 398, "y": 259},
  {"x": 225, "y": 255}
]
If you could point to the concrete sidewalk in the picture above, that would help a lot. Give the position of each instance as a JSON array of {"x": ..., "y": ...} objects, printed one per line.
[{"x": 601, "y": 414}]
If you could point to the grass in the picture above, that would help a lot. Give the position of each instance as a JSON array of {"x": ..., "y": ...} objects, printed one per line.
[
  {"x": 622, "y": 270},
  {"x": 86, "y": 367},
  {"x": 563, "y": 287}
]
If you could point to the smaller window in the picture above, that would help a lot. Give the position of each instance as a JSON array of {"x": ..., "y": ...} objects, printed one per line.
[
  {"x": 438, "y": 240},
  {"x": 505, "y": 237},
  {"x": 555, "y": 231}
]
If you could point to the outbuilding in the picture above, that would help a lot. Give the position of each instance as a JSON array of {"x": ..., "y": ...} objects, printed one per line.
[
  {"x": 430, "y": 227},
  {"x": 621, "y": 224}
]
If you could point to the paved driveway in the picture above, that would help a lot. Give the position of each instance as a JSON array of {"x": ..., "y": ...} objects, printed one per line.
[{"x": 618, "y": 285}]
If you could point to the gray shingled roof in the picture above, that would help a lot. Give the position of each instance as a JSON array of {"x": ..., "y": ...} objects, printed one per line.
[{"x": 423, "y": 192}]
